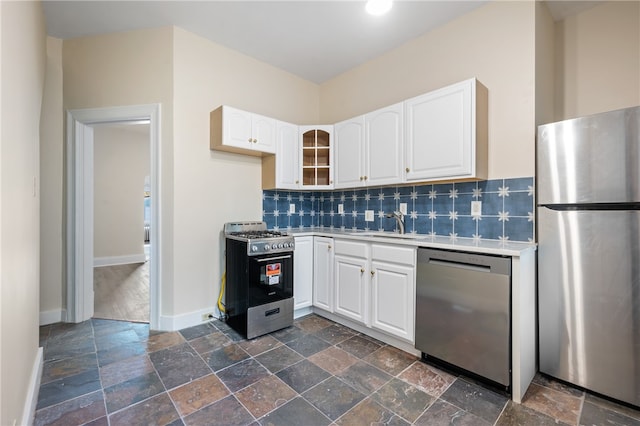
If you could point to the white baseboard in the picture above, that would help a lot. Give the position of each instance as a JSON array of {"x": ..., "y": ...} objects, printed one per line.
[
  {"x": 178, "y": 322},
  {"x": 31, "y": 401},
  {"x": 119, "y": 260},
  {"x": 53, "y": 316},
  {"x": 383, "y": 337},
  {"x": 302, "y": 312}
]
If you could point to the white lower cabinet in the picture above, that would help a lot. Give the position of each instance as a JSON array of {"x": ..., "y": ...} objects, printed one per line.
[
  {"x": 375, "y": 286},
  {"x": 323, "y": 281},
  {"x": 303, "y": 272},
  {"x": 352, "y": 290},
  {"x": 393, "y": 299}
]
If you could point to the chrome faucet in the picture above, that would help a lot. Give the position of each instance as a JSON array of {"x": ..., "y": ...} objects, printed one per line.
[{"x": 399, "y": 217}]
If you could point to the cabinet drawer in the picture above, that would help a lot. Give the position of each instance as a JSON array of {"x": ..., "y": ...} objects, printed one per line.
[
  {"x": 393, "y": 254},
  {"x": 351, "y": 248}
]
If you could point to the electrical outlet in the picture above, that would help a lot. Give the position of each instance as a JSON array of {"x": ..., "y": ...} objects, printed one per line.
[
  {"x": 292, "y": 208},
  {"x": 403, "y": 208},
  {"x": 368, "y": 215},
  {"x": 340, "y": 208},
  {"x": 208, "y": 316},
  {"x": 476, "y": 208}
]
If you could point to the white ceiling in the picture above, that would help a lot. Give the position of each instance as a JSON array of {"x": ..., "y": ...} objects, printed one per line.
[{"x": 315, "y": 40}]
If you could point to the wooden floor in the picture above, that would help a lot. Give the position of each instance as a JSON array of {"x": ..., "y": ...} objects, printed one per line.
[{"x": 121, "y": 292}]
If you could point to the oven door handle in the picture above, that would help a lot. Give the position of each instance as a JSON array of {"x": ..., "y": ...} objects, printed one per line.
[{"x": 269, "y": 259}]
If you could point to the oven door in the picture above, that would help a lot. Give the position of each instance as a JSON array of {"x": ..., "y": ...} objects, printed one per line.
[{"x": 270, "y": 278}]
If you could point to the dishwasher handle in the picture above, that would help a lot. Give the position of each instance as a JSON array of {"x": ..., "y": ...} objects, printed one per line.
[
  {"x": 464, "y": 260},
  {"x": 460, "y": 265}
]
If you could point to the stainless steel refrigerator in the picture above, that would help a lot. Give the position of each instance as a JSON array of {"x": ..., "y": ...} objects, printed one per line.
[{"x": 588, "y": 218}]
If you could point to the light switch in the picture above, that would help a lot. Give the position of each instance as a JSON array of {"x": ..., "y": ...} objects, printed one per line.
[
  {"x": 340, "y": 208},
  {"x": 403, "y": 208},
  {"x": 476, "y": 208},
  {"x": 292, "y": 208},
  {"x": 368, "y": 215}
]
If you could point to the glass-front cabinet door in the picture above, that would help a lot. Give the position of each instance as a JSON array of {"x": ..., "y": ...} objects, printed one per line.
[{"x": 317, "y": 156}]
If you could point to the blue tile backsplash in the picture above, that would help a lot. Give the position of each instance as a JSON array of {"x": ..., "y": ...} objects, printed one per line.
[{"x": 434, "y": 209}]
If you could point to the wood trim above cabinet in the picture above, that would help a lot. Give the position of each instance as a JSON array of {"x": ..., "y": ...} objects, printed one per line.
[{"x": 482, "y": 132}]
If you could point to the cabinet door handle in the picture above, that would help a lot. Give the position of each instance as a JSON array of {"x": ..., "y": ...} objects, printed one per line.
[
  {"x": 407, "y": 170},
  {"x": 329, "y": 247},
  {"x": 250, "y": 140},
  {"x": 361, "y": 177},
  {"x": 362, "y": 270},
  {"x": 373, "y": 273},
  {"x": 297, "y": 182},
  {"x": 365, "y": 178}
]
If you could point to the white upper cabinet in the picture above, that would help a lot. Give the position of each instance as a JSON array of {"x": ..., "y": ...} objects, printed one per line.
[
  {"x": 369, "y": 149},
  {"x": 317, "y": 157},
  {"x": 242, "y": 132},
  {"x": 287, "y": 156},
  {"x": 350, "y": 152},
  {"x": 446, "y": 133},
  {"x": 384, "y": 136}
]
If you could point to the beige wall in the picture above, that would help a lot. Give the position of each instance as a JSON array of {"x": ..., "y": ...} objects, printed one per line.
[
  {"x": 129, "y": 68},
  {"x": 545, "y": 65},
  {"x": 213, "y": 187},
  {"x": 121, "y": 156},
  {"x": 23, "y": 56},
  {"x": 494, "y": 43},
  {"x": 598, "y": 60},
  {"x": 52, "y": 293},
  {"x": 200, "y": 189}
]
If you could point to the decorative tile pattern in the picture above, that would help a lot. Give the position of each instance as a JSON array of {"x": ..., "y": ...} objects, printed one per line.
[
  {"x": 74, "y": 411},
  {"x": 554, "y": 403},
  {"x": 265, "y": 381},
  {"x": 192, "y": 396},
  {"x": 508, "y": 208},
  {"x": 227, "y": 412},
  {"x": 135, "y": 390},
  {"x": 292, "y": 412},
  {"x": 475, "y": 399},
  {"x": 178, "y": 365},
  {"x": 333, "y": 397},
  {"x": 265, "y": 395},
  {"x": 403, "y": 399},
  {"x": 302, "y": 376}
]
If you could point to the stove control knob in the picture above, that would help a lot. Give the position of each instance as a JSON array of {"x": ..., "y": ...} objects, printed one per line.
[
  {"x": 254, "y": 248},
  {"x": 291, "y": 244},
  {"x": 286, "y": 245},
  {"x": 267, "y": 247},
  {"x": 280, "y": 245}
]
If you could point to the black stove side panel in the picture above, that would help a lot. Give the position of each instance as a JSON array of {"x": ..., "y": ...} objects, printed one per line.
[{"x": 237, "y": 285}]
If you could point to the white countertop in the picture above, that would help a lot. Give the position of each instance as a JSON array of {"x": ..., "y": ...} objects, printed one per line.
[{"x": 498, "y": 247}]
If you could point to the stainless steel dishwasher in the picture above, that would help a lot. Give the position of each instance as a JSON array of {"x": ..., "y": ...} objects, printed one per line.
[{"x": 463, "y": 311}]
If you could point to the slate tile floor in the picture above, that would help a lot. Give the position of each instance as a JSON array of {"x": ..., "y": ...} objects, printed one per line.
[{"x": 104, "y": 372}]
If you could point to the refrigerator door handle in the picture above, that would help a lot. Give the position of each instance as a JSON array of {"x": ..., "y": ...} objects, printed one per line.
[{"x": 592, "y": 206}]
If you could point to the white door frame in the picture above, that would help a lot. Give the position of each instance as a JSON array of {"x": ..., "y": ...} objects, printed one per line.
[{"x": 79, "y": 167}]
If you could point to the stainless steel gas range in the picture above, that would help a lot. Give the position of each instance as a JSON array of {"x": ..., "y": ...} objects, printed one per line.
[{"x": 259, "y": 283}]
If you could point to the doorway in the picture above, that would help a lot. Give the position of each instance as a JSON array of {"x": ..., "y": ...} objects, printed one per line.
[
  {"x": 121, "y": 225},
  {"x": 80, "y": 205}
]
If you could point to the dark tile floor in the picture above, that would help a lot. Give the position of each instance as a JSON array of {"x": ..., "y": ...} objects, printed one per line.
[{"x": 317, "y": 372}]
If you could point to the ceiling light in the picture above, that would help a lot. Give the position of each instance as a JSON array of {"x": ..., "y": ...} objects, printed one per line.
[{"x": 378, "y": 7}]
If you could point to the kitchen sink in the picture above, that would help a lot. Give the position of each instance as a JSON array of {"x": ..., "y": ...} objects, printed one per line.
[{"x": 387, "y": 235}]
